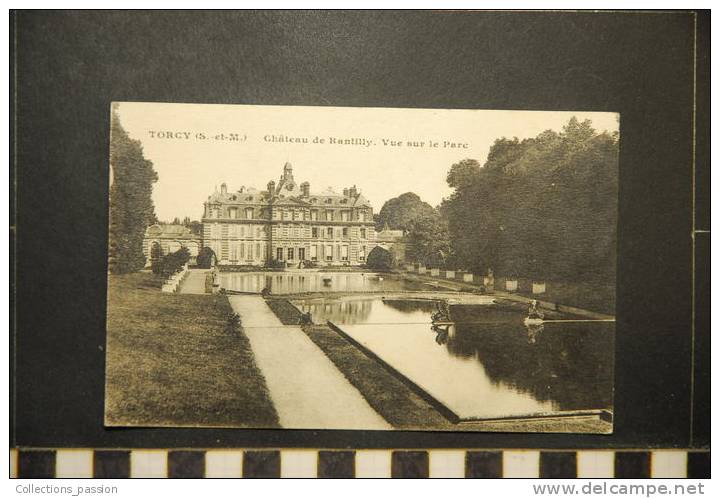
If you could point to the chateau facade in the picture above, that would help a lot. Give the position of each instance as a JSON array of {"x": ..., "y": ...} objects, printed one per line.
[{"x": 288, "y": 224}]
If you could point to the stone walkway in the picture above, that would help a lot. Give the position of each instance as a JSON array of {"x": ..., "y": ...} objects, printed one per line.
[
  {"x": 308, "y": 391},
  {"x": 194, "y": 282}
]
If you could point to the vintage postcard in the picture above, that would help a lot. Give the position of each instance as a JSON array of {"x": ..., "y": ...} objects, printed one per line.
[{"x": 361, "y": 268}]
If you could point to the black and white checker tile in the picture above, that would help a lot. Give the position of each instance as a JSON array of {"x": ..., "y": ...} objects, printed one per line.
[{"x": 86, "y": 463}]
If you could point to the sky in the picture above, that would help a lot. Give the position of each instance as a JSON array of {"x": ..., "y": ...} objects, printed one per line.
[{"x": 383, "y": 151}]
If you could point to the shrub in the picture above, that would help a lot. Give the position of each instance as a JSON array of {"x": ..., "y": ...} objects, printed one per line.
[
  {"x": 380, "y": 259},
  {"x": 173, "y": 262},
  {"x": 205, "y": 257}
]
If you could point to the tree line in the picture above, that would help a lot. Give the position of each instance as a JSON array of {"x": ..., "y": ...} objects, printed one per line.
[
  {"x": 131, "y": 205},
  {"x": 132, "y": 209},
  {"x": 542, "y": 207}
]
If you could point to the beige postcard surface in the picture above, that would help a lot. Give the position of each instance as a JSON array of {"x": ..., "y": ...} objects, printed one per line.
[{"x": 361, "y": 268}]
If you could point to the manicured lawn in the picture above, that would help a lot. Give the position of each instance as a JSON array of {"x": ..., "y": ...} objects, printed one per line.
[
  {"x": 174, "y": 360},
  {"x": 286, "y": 312}
]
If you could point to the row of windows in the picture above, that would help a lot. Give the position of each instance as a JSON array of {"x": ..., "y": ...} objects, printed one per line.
[
  {"x": 249, "y": 251},
  {"x": 241, "y": 231},
  {"x": 232, "y": 213},
  {"x": 292, "y": 214},
  {"x": 239, "y": 252},
  {"x": 326, "y": 215},
  {"x": 321, "y": 233},
  {"x": 318, "y": 252},
  {"x": 329, "y": 233}
]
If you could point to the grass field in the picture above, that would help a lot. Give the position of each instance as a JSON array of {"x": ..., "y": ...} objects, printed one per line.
[{"x": 174, "y": 360}]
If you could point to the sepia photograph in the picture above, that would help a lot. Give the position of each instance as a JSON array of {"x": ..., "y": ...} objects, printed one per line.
[{"x": 361, "y": 268}]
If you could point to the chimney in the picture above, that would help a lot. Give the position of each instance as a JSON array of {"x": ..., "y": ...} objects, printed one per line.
[
  {"x": 271, "y": 188},
  {"x": 352, "y": 191},
  {"x": 305, "y": 189},
  {"x": 223, "y": 188}
]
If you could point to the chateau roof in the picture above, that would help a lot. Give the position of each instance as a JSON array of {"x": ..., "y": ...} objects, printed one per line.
[
  {"x": 287, "y": 192},
  {"x": 290, "y": 201},
  {"x": 242, "y": 196}
]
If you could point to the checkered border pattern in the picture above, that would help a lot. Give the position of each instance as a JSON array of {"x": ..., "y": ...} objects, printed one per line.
[{"x": 292, "y": 463}]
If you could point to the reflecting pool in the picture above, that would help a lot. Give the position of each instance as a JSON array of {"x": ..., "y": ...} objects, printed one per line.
[
  {"x": 316, "y": 281},
  {"x": 487, "y": 365}
]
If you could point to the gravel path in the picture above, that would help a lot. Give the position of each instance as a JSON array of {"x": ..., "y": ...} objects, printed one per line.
[
  {"x": 194, "y": 282},
  {"x": 308, "y": 391}
]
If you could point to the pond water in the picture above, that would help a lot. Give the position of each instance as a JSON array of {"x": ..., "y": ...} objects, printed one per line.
[
  {"x": 316, "y": 281},
  {"x": 488, "y": 366}
]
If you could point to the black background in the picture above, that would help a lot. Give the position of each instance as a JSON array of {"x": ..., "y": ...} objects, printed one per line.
[{"x": 69, "y": 66}]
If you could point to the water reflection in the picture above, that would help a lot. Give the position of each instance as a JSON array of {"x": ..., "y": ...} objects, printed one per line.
[
  {"x": 442, "y": 333},
  {"x": 489, "y": 364},
  {"x": 533, "y": 330},
  {"x": 312, "y": 281},
  {"x": 345, "y": 311}
]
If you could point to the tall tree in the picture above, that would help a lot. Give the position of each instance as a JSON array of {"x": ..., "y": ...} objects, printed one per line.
[
  {"x": 543, "y": 207},
  {"x": 131, "y": 205},
  {"x": 399, "y": 212},
  {"x": 428, "y": 241}
]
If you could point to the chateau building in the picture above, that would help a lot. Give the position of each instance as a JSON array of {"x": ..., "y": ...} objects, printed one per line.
[{"x": 289, "y": 224}]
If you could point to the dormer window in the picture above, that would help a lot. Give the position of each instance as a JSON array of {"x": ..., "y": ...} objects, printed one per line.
[{"x": 328, "y": 201}]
